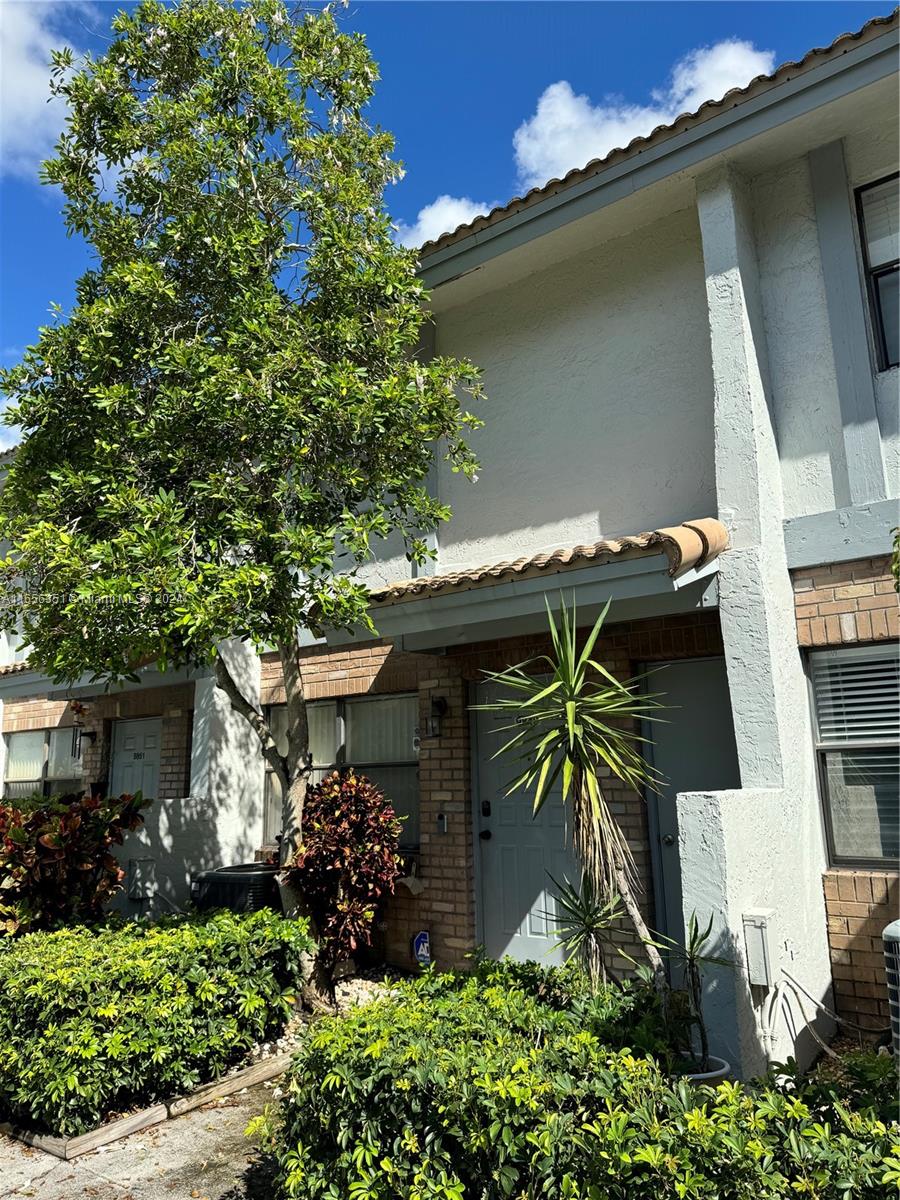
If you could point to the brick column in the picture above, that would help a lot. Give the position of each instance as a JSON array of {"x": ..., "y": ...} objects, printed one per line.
[{"x": 860, "y": 903}]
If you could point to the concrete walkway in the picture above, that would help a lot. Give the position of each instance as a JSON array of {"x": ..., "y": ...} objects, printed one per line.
[{"x": 200, "y": 1156}]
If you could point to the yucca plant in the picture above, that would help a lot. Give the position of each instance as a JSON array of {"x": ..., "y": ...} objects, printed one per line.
[
  {"x": 572, "y": 720},
  {"x": 585, "y": 919}
]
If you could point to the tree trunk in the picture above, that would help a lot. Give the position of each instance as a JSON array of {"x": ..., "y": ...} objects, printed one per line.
[
  {"x": 318, "y": 987},
  {"x": 298, "y": 757},
  {"x": 292, "y": 771},
  {"x": 317, "y": 990},
  {"x": 602, "y": 851},
  {"x": 640, "y": 927}
]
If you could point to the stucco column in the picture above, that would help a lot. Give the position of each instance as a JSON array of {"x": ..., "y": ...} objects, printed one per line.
[{"x": 767, "y": 839}]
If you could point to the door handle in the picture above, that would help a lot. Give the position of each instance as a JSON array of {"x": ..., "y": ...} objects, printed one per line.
[
  {"x": 668, "y": 840},
  {"x": 485, "y": 835}
]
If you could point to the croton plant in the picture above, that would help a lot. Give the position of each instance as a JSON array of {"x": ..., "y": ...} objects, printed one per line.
[
  {"x": 56, "y": 861},
  {"x": 347, "y": 862}
]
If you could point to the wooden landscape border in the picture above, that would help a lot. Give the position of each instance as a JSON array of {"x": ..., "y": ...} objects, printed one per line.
[{"x": 112, "y": 1131}]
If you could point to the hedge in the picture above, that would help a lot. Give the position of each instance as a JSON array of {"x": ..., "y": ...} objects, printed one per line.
[
  {"x": 98, "y": 1020},
  {"x": 493, "y": 1087}
]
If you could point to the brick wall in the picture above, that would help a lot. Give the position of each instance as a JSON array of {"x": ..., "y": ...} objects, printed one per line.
[
  {"x": 173, "y": 704},
  {"x": 446, "y": 904},
  {"x": 838, "y": 605},
  {"x": 859, "y": 904},
  {"x": 844, "y": 603}
]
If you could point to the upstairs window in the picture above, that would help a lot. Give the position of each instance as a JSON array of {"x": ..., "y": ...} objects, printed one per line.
[
  {"x": 856, "y": 696},
  {"x": 375, "y": 735},
  {"x": 879, "y": 219}
]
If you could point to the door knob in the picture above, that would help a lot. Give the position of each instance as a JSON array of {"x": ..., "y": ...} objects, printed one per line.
[
  {"x": 485, "y": 835},
  {"x": 668, "y": 840}
]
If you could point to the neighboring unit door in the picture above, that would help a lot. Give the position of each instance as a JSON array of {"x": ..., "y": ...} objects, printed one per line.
[
  {"x": 135, "y": 757},
  {"x": 694, "y": 751},
  {"x": 518, "y": 852}
]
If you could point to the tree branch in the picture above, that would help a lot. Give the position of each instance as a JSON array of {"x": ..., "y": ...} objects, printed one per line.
[{"x": 252, "y": 715}]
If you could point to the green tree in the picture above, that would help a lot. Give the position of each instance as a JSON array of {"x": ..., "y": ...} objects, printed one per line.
[{"x": 235, "y": 411}]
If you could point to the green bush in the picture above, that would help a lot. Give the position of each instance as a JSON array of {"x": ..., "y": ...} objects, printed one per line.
[
  {"x": 483, "y": 1088},
  {"x": 862, "y": 1080},
  {"x": 56, "y": 861},
  {"x": 94, "y": 1021}
]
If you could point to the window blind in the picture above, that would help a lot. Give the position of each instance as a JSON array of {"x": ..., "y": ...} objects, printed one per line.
[
  {"x": 857, "y": 698},
  {"x": 24, "y": 756},
  {"x": 881, "y": 214}
]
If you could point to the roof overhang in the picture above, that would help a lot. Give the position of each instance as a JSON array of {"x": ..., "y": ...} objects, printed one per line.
[
  {"x": 794, "y": 91},
  {"x": 636, "y": 589},
  {"x": 23, "y": 681}
]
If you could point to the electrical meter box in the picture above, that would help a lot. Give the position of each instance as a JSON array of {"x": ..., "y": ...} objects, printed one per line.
[{"x": 757, "y": 928}]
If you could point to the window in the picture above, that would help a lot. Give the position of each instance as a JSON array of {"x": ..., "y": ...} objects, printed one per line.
[
  {"x": 42, "y": 760},
  {"x": 879, "y": 220},
  {"x": 856, "y": 696},
  {"x": 376, "y": 735}
]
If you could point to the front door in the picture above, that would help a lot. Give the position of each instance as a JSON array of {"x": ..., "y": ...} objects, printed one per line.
[
  {"x": 135, "y": 758},
  {"x": 693, "y": 749},
  {"x": 518, "y": 852}
]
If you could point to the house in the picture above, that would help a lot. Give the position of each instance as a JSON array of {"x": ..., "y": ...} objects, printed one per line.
[{"x": 691, "y": 358}]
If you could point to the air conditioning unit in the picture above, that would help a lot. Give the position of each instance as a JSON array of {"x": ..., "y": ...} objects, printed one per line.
[
  {"x": 891, "y": 938},
  {"x": 246, "y": 887}
]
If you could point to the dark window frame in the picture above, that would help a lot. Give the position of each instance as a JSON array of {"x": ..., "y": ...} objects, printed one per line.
[
  {"x": 873, "y": 274},
  {"x": 43, "y": 784},
  {"x": 821, "y": 749},
  {"x": 341, "y": 761}
]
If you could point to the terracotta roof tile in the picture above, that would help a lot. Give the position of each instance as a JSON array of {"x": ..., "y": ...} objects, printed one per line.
[
  {"x": 690, "y": 544},
  {"x": 15, "y": 668},
  {"x": 707, "y": 110}
]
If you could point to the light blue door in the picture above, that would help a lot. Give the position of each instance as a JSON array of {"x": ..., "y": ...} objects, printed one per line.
[
  {"x": 136, "y": 757},
  {"x": 517, "y": 853},
  {"x": 694, "y": 751}
]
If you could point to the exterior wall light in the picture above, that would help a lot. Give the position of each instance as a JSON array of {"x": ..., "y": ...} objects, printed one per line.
[{"x": 436, "y": 717}]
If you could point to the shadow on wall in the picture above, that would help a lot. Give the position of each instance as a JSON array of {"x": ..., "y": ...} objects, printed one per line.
[
  {"x": 764, "y": 1014},
  {"x": 179, "y": 838},
  {"x": 218, "y": 824}
]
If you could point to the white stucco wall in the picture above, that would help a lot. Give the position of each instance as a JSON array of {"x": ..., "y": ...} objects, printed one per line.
[
  {"x": 733, "y": 871},
  {"x": 599, "y": 399},
  {"x": 221, "y": 822},
  {"x": 804, "y": 391},
  {"x": 762, "y": 845}
]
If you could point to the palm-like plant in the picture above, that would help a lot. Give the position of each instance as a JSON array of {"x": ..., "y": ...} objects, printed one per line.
[
  {"x": 585, "y": 920},
  {"x": 692, "y": 957},
  {"x": 576, "y": 726}
]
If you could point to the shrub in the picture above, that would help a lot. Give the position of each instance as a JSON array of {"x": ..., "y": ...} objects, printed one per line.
[
  {"x": 347, "y": 863},
  {"x": 478, "y": 1090},
  {"x": 93, "y": 1021},
  {"x": 862, "y": 1079},
  {"x": 55, "y": 859}
]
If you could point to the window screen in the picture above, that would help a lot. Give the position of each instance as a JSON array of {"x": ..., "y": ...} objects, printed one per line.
[{"x": 856, "y": 695}]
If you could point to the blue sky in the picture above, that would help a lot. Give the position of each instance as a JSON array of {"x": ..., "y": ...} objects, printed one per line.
[{"x": 485, "y": 99}]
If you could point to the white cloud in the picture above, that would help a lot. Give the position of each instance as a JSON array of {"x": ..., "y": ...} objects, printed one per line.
[
  {"x": 29, "y": 125},
  {"x": 10, "y": 436},
  {"x": 441, "y": 216},
  {"x": 567, "y": 130}
]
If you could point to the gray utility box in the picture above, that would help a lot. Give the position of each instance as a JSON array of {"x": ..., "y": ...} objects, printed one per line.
[
  {"x": 891, "y": 937},
  {"x": 242, "y": 888}
]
